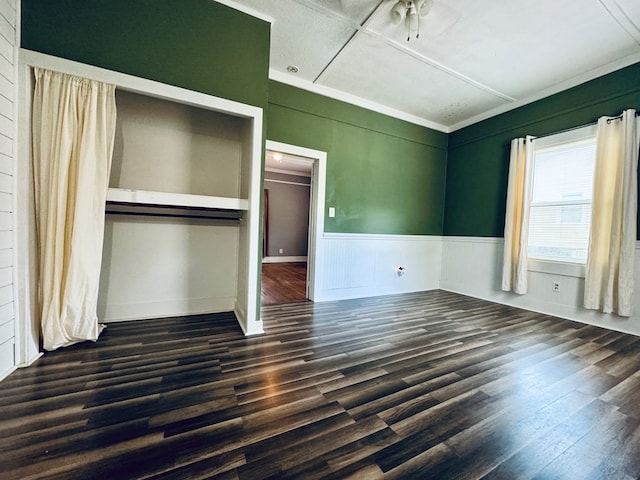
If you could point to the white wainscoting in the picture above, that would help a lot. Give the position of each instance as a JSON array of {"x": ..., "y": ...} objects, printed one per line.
[
  {"x": 473, "y": 266},
  {"x": 365, "y": 265}
]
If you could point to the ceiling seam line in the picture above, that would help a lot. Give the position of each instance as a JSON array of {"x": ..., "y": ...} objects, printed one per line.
[
  {"x": 358, "y": 31},
  {"x": 634, "y": 35},
  {"x": 363, "y": 28},
  {"x": 445, "y": 69}
]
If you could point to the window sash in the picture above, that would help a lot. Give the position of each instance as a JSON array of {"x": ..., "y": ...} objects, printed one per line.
[{"x": 561, "y": 226}]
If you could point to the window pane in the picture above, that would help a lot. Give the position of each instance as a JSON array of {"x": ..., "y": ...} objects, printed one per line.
[
  {"x": 563, "y": 173},
  {"x": 559, "y": 232},
  {"x": 560, "y": 209}
]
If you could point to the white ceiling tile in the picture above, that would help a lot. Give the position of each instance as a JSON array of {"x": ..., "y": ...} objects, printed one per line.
[
  {"x": 302, "y": 36},
  {"x": 517, "y": 47},
  {"x": 371, "y": 68},
  {"x": 357, "y": 11},
  {"x": 473, "y": 57}
]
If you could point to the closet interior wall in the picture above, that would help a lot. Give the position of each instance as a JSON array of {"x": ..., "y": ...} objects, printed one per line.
[{"x": 156, "y": 266}]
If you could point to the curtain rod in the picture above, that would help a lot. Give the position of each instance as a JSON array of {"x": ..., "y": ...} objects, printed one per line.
[
  {"x": 565, "y": 130},
  {"x": 619, "y": 117},
  {"x": 609, "y": 120}
]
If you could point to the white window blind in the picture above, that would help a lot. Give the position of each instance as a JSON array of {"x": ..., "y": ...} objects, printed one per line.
[{"x": 561, "y": 193}]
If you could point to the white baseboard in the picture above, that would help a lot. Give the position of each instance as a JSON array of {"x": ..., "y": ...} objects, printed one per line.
[
  {"x": 167, "y": 308},
  {"x": 473, "y": 266},
  {"x": 255, "y": 328},
  {"x": 293, "y": 259}
]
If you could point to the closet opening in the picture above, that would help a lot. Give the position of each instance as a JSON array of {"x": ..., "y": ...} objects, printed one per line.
[{"x": 182, "y": 211}]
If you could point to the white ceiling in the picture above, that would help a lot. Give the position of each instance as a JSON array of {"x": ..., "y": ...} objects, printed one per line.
[
  {"x": 474, "y": 58},
  {"x": 285, "y": 163}
]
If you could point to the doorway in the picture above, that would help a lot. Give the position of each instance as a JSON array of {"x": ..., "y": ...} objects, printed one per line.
[{"x": 293, "y": 222}]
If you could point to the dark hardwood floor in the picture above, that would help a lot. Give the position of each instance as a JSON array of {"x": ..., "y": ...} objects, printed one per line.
[
  {"x": 429, "y": 385},
  {"x": 284, "y": 283}
]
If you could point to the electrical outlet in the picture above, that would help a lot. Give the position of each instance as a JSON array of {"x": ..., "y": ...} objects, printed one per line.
[
  {"x": 281, "y": 250},
  {"x": 555, "y": 286}
]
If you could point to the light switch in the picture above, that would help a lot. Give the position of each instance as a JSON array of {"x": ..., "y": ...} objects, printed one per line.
[{"x": 332, "y": 212}]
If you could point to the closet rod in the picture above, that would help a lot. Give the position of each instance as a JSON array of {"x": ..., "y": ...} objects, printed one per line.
[{"x": 175, "y": 215}]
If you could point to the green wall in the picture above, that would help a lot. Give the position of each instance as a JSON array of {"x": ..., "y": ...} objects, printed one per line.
[
  {"x": 478, "y": 159},
  {"x": 196, "y": 44},
  {"x": 384, "y": 175}
]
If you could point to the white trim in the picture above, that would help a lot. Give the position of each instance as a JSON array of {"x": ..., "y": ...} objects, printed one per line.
[
  {"x": 129, "y": 83},
  {"x": 557, "y": 88},
  {"x": 354, "y": 100},
  {"x": 512, "y": 104},
  {"x": 166, "y": 308},
  {"x": 250, "y": 321},
  {"x": 424, "y": 122},
  {"x": 285, "y": 182},
  {"x": 474, "y": 267},
  {"x": 556, "y": 268},
  {"x": 381, "y": 237},
  {"x": 316, "y": 257},
  {"x": 292, "y": 259},
  {"x": 145, "y": 197},
  {"x": 474, "y": 239},
  {"x": 286, "y": 172},
  {"x": 8, "y": 372}
]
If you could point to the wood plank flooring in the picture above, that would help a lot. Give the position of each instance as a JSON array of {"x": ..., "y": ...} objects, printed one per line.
[
  {"x": 429, "y": 385},
  {"x": 284, "y": 283}
]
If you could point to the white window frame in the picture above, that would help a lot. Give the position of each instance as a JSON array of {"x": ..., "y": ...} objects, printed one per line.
[{"x": 556, "y": 267}]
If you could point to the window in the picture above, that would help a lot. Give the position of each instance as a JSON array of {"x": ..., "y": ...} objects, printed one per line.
[{"x": 561, "y": 193}]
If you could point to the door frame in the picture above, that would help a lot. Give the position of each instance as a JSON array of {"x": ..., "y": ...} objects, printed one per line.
[{"x": 316, "y": 210}]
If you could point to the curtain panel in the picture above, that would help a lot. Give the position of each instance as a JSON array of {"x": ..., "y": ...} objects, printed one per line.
[
  {"x": 516, "y": 225},
  {"x": 73, "y": 127},
  {"x": 610, "y": 262}
]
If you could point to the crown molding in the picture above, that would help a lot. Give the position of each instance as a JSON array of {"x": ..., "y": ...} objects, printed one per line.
[{"x": 354, "y": 100}]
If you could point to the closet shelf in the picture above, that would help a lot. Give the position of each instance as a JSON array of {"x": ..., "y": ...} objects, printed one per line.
[{"x": 143, "y": 202}]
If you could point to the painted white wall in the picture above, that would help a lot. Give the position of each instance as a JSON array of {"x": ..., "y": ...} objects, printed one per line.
[
  {"x": 8, "y": 128},
  {"x": 155, "y": 267},
  {"x": 473, "y": 266},
  {"x": 364, "y": 265},
  {"x": 165, "y": 146}
]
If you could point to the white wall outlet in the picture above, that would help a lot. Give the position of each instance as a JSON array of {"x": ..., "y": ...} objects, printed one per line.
[
  {"x": 555, "y": 286},
  {"x": 281, "y": 250},
  {"x": 332, "y": 212},
  {"x": 400, "y": 271}
]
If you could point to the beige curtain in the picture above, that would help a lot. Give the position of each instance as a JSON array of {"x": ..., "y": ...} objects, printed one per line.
[
  {"x": 516, "y": 227},
  {"x": 609, "y": 272},
  {"x": 73, "y": 133}
]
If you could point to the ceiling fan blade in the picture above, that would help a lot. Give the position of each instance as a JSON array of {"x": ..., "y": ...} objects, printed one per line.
[
  {"x": 398, "y": 12},
  {"x": 424, "y": 6}
]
